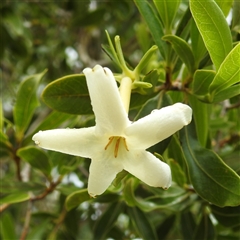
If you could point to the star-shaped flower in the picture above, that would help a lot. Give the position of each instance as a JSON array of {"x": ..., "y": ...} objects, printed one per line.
[{"x": 116, "y": 143}]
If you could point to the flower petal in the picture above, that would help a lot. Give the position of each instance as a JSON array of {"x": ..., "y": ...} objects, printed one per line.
[
  {"x": 148, "y": 169},
  {"x": 102, "y": 172},
  {"x": 79, "y": 142},
  {"x": 158, "y": 125},
  {"x": 110, "y": 114}
]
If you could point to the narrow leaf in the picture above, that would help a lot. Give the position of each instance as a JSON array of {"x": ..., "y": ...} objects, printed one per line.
[
  {"x": 167, "y": 11},
  {"x": 214, "y": 29},
  {"x": 228, "y": 73},
  {"x": 37, "y": 158},
  {"x": 183, "y": 50},
  {"x": 225, "y": 6},
  {"x": 153, "y": 23},
  {"x": 211, "y": 178},
  {"x": 76, "y": 198},
  {"x": 14, "y": 198},
  {"x": 7, "y": 227},
  {"x": 142, "y": 224},
  {"x": 69, "y": 95},
  {"x": 26, "y": 103}
]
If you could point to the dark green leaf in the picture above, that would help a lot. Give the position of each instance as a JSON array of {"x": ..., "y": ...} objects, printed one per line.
[
  {"x": 228, "y": 73},
  {"x": 211, "y": 178},
  {"x": 141, "y": 223},
  {"x": 26, "y": 103},
  {"x": 214, "y": 29},
  {"x": 183, "y": 50},
  {"x": 107, "y": 220},
  {"x": 188, "y": 225},
  {"x": 177, "y": 173},
  {"x": 205, "y": 229},
  {"x": 228, "y": 216},
  {"x": 76, "y": 198},
  {"x": 153, "y": 23},
  {"x": 37, "y": 158},
  {"x": 69, "y": 95}
]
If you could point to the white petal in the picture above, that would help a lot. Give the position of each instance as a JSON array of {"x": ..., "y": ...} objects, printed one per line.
[
  {"x": 110, "y": 114},
  {"x": 158, "y": 125},
  {"x": 79, "y": 142},
  {"x": 103, "y": 171},
  {"x": 148, "y": 169}
]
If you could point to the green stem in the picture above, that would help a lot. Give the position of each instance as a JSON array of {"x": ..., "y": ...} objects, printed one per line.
[{"x": 125, "y": 92}]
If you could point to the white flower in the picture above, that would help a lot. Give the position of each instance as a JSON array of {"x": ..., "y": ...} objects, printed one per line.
[{"x": 115, "y": 143}]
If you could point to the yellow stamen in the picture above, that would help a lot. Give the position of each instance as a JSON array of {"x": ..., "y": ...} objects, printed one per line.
[{"x": 117, "y": 144}]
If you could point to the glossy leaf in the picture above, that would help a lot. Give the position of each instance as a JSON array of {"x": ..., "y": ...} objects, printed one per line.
[
  {"x": 76, "y": 198},
  {"x": 37, "y": 158},
  {"x": 167, "y": 11},
  {"x": 14, "y": 198},
  {"x": 107, "y": 220},
  {"x": 142, "y": 224},
  {"x": 153, "y": 23},
  {"x": 26, "y": 103},
  {"x": 183, "y": 50},
  {"x": 211, "y": 178},
  {"x": 228, "y": 73},
  {"x": 214, "y": 29},
  {"x": 7, "y": 227},
  {"x": 68, "y": 94}
]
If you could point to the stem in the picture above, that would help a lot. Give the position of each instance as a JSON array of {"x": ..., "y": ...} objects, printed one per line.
[
  {"x": 125, "y": 92},
  {"x": 27, "y": 222}
]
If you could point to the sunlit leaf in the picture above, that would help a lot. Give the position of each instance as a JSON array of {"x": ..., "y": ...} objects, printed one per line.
[
  {"x": 225, "y": 5},
  {"x": 214, "y": 29},
  {"x": 228, "y": 73},
  {"x": 26, "y": 103},
  {"x": 211, "y": 178},
  {"x": 15, "y": 198}
]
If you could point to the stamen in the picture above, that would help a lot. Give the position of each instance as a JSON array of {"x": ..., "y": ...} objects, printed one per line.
[
  {"x": 125, "y": 144},
  {"x": 110, "y": 141},
  {"x": 117, "y": 147}
]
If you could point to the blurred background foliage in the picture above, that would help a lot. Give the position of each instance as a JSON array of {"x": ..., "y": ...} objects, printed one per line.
[{"x": 43, "y": 193}]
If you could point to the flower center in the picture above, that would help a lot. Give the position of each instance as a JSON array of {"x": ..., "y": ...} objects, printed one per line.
[{"x": 117, "y": 141}]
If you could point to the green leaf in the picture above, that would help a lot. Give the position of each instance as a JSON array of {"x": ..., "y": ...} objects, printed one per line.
[
  {"x": 202, "y": 80},
  {"x": 227, "y": 93},
  {"x": 68, "y": 94},
  {"x": 211, "y": 178},
  {"x": 205, "y": 229},
  {"x": 1, "y": 115},
  {"x": 7, "y": 227},
  {"x": 26, "y": 103},
  {"x": 198, "y": 47},
  {"x": 225, "y": 5},
  {"x": 187, "y": 224},
  {"x": 153, "y": 23},
  {"x": 177, "y": 173},
  {"x": 15, "y": 198},
  {"x": 228, "y": 216},
  {"x": 183, "y": 50},
  {"x": 201, "y": 114},
  {"x": 141, "y": 223},
  {"x": 37, "y": 158},
  {"x": 6, "y": 148},
  {"x": 214, "y": 29},
  {"x": 107, "y": 220},
  {"x": 76, "y": 198},
  {"x": 167, "y": 11},
  {"x": 228, "y": 73}
]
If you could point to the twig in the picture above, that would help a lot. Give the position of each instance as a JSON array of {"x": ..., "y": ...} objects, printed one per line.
[{"x": 27, "y": 221}]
